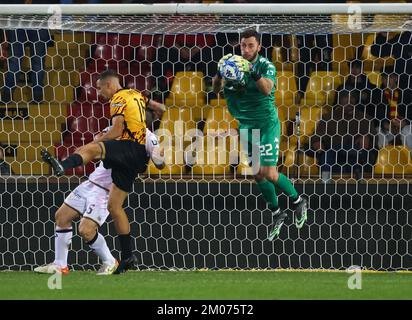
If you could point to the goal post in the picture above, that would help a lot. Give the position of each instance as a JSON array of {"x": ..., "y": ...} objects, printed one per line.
[{"x": 204, "y": 210}]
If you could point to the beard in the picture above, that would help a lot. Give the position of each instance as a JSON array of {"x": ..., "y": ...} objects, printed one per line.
[{"x": 253, "y": 57}]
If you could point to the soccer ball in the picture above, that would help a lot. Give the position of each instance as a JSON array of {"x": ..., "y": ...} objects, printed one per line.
[{"x": 230, "y": 71}]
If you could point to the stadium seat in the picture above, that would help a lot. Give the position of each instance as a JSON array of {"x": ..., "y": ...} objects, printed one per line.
[
  {"x": 141, "y": 83},
  {"x": 96, "y": 110},
  {"x": 113, "y": 47},
  {"x": 219, "y": 121},
  {"x": 145, "y": 45},
  {"x": 393, "y": 160},
  {"x": 285, "y": 53},
  {"x": 300, "y": 163},
  {"x": 375, "y": 78},
  {"x": 213, "y": 103},
  {"x": 174, "y": 164},
  {"x": 285, "y": 88},
  {"x": 309, "y": 116},
  {"x": 321, "y": 88},
  {"x": 287, "y": 113},
  {"x": 371, "y": 62},
  {"x": 218, "y": 102},
  {"x": 83, "y": 124},
  {"x": 77, "y": 109},
  {"x": 77, "y": 138},
  {"x": 344, "y": 45},
  {"x": 187, "y": 90},
  {"x": 177, "y": 123},
  {"x": 212, "y": 159},
  {"x": 88, "y": 91},
  {"x": 279, "y": 59}
]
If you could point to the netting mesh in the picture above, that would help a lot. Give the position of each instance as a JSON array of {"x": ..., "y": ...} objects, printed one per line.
[
  {"x": 203, "y": 210},
  {"x": 207, "y": 23}
]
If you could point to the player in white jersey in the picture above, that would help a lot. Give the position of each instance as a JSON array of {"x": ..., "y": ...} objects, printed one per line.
[{"x": 89, "y": 200}]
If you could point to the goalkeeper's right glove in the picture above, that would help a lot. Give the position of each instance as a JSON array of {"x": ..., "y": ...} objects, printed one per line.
[{"x": 221, "y": 62}]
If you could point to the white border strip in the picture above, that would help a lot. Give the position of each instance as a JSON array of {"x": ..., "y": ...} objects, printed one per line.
[{"x": 174, "y": 8}]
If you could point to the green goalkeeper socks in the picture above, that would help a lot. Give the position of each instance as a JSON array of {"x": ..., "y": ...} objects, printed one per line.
[
  {"x": 286, "y": 186},
  {"x": 269, "y": 193}
]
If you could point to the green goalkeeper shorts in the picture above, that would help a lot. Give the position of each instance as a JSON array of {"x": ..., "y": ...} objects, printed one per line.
[{"x": 262, "y": 143}]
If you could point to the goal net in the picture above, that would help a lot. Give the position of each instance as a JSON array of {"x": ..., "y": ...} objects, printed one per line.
[{"x": 343, "y": 98}]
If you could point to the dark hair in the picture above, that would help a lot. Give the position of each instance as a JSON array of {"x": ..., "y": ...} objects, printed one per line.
[
  {"x": 250, "y": 33},
  {"x": 108, "y": 74}
]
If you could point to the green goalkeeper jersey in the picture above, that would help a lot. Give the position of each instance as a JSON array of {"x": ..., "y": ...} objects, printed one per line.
[{"x": 246, "y": 103}]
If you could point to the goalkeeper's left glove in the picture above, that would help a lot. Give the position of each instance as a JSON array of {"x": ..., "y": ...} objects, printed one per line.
[
  {"x": 255, "y": 75},
  {"x": 241, "y": 63}
]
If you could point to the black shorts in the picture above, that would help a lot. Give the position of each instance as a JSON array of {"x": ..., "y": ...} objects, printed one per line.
[{"x": 126, "y": 159}]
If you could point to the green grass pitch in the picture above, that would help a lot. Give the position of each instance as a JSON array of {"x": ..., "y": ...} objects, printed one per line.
[{"x": 265, "y": 285}]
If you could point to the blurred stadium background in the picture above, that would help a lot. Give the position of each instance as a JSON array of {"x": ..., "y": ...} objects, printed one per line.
[{"x": 203, "y": 211}]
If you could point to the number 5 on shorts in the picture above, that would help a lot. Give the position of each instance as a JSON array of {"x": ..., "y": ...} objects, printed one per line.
[{"x": 90, "y": 209}]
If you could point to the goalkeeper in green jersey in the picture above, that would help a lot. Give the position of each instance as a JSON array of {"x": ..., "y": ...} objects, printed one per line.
[{"x": 251, "y": 101}]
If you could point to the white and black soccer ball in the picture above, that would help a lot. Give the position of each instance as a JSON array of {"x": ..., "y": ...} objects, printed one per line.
[{"x": 230, "y": 71}]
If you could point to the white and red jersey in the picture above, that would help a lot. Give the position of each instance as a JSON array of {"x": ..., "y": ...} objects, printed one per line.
[{"x": 103, "y": 177}]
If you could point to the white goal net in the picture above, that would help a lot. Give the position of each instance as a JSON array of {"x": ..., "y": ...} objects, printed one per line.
[{"x": 344, "y": 98}]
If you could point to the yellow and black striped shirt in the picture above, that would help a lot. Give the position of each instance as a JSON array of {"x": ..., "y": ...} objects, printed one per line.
[{"x": 131, "y": 104}]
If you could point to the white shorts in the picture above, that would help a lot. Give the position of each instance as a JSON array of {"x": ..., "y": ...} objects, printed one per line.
[{"x": 90, "y": 201}]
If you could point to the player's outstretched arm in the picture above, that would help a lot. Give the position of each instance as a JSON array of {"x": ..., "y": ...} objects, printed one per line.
[
  {"x": 157, "y": 107},
  {"x": 115, "y": 131}
]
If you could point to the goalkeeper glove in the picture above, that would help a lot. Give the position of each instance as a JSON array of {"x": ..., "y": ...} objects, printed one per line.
[
  {"x": 221, "y": 62},
  {"x": 241, "y": 63},
  {"x": 255, "y": 75}
]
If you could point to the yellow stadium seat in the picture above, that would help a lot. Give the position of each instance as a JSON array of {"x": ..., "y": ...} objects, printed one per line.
[
  {"x": 284, "y": 56},
  {"x": 174, "y": 164},
  {"x": 344, "y": 45},
  {"x": 218, "y": 102},
  {"x": 177, "y": 120},
  {"x": 187, "y": 90},
  {"x": 213, "y": 158},
  {"x": 285, "y": 88},
  {"x": 321, "y": 89},
  {"x": 300, "y": 164},
  {"x": 375, "y": 78},
  {"x": 221, "y": 137},
  {"x": 213, "y": 103},
  {"x": 177, "y": 126},
  {"x": 309, "y": 117},
  {"x": 279, "y": 58},
  {"x": 371, "y": 62},
  {"x": 287, "y": 113},
  {"x": 219, "y": 121},
  {"x": 393, "y": 160}
]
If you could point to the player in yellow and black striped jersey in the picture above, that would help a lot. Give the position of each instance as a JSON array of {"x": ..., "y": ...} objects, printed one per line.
[
  {"x": 130, "y": 104},
  {"x": 121, "y": 149}
]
